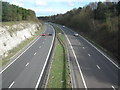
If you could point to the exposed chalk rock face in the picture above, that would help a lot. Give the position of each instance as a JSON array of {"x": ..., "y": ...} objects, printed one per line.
[{"x": 11, "y": 36}]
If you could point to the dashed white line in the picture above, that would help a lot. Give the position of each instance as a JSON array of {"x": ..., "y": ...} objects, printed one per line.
[
  {"x": 89, "y": 55},
  {"x": 43, "y": 42},
  {"x": 113, "y": 88},
  {"x": 83, "y": 47},
  {"x": 34, "y": 53},
  {"x": 76, "y": 61},
  {"x": 101, "y": 52},
  {"x": 11, "y": 84},
  {"x": 98, "y": 67},
  {"x": 39, "y": 46},
  {"x": 27, "y": 64},
  {"x": 20, "y": 55}
]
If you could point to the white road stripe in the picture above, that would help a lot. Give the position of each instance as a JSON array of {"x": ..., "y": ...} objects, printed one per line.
[
  {"x": 98, "y": 67},
  {"x": 83, "y": 47},
  {"x": 76, "y": 61},
  {"x": 89, "y": 55},
  {"x": 19, "y": 56},
  {"x": 27, "y": 64},
  {"x": 39, "y": 46},
  {"x": 35, "y": 53},
  {"x": 43, "y": 42},
  {"x": 11, "y": 84},
  {"x": 113, "y": 88},
  {"x": 101, "y": 52},
  {"x": 39, "y": 79}
]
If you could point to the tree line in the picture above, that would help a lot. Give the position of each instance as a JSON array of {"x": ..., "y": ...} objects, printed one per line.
[
  {"x": 12, "y": 12},
  {"x": 98, "y": 21}
]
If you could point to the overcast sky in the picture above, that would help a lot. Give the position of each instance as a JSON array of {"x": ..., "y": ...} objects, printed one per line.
[{"x": 50, "y": 7}]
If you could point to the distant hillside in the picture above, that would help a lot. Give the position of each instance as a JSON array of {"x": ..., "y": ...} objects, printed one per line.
[
  {"x": 12, "y": 12},
  {"x": 98, "y": 21}
]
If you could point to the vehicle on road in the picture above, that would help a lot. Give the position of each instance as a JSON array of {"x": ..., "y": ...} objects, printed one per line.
[
  {"x": 49, "y": 34},
  {"x": 75, "y": 35},
  {"x": 43, "y": 34}
]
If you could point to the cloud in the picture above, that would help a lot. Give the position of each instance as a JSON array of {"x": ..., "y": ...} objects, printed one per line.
[
  {"x": 67, "y": 1},
  {"x": 17, "y": 2},
  {"x": 40, "y": 2},
  {"x": 48, "y": 11},
  {"x": 71, "y": 4}
]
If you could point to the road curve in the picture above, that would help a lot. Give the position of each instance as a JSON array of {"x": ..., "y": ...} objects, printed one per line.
[
  {"x": 90, "y": 67},
  {"x": 26, "y": 71}
]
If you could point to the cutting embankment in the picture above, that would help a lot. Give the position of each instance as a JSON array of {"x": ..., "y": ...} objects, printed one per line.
[
  {"x": 14, "y": 36},
  {"x": 18, "y": 27}
]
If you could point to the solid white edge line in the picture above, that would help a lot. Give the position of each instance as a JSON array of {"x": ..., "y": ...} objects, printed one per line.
[
  {"x": 27, "y": 64},
  {"x": 50, "y": 68},
  {"x": 98, "y": 67},
  {"x": 100, "y": 52},
  {"x": 19, "y": 55},
  {"x": 11, "y": 84},
  {"x": 45, "y": 62},
  {"x": 76, "y": 61}
]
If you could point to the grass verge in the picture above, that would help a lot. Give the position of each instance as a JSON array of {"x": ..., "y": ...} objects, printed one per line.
[
  {"x": 59, "y": 73},
  {"x": 15, "y": 22},
  {"x": 15, "y": 50}
]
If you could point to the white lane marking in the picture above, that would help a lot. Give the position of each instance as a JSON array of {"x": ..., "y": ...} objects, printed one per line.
[
  {"x": 19, "y": 56},
  {"x": 39, "y": 46},
  {"x": 11, "y": 84},
  {"x": 113, "y": 88},
  {"x": 76, "y": 60},
  {"x": 50, "y": 67},
  {"x": 98, "y": 51},
  {"x": 89, "y": 55},
  {"x": 101, "y": 52},
  {"x": 43, "y": 42},
  {"x": 98, "y": 67},
  {"x": 35, "y": 53},
  {"x": 83, "y": 47},
  {"x": 39, "y": 79},
  {"x": 27, "y": 64}
]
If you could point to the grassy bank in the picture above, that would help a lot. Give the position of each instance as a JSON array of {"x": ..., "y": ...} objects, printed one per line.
[
  {"x": 16, "y": 22},
  {"x": 15, "y": 50},
  {"x": 59, "y": 73}
]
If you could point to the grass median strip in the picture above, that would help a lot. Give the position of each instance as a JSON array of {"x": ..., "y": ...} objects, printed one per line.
[
  {"x": 15, "y": 50},
  {"x": 59, "y": 73}
]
